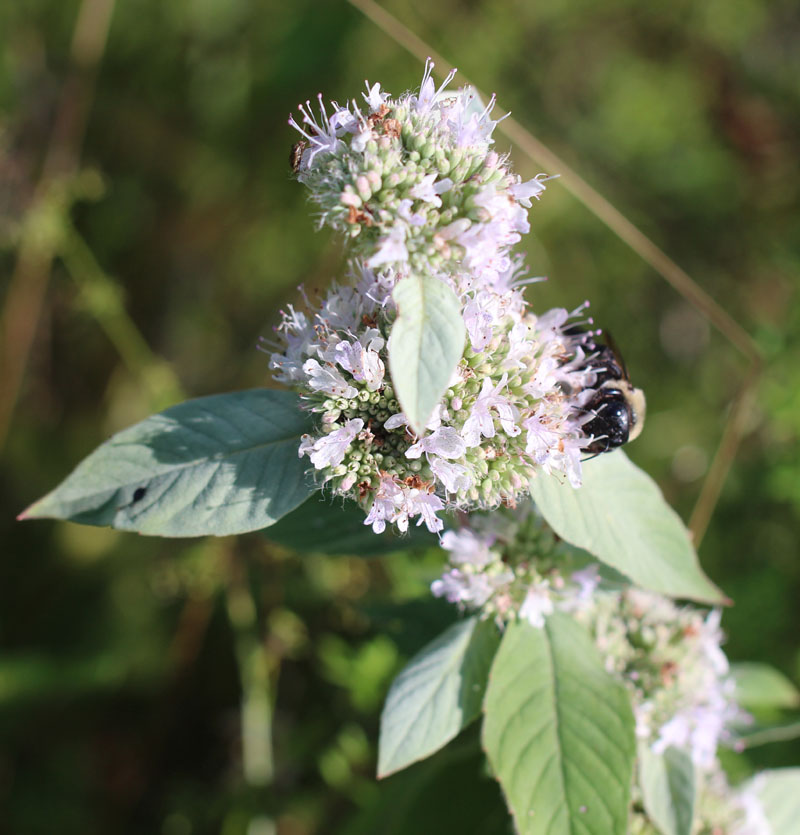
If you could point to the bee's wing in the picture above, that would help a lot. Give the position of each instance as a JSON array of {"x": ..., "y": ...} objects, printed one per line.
[{"x": 611, "y": 342}]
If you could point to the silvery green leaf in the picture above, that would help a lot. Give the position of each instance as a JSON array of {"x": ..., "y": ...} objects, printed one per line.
[
  {"x": 329, "y": 525},
  {"x": 216, "y": 465},
  {"x": 667, "y": 783},
  {"x": 559, "y": 732},
  {"x": 438, "y": 693},
  {"x": 425, "y": 345},
  {"x": 778, "y": 791},
  {"x": 762, "y": 686},
  {"x": 619, "y": 515}
]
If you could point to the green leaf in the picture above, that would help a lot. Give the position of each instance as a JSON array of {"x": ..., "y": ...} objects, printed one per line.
[
  {"x": 437, "y": 694},
  {"x": 425, "y": 345},
  {"x": 667, "y": 783},
  {"x": 216, "y": 465},
  {"x": 329, "y": 525},
  {"x": 762, "y": 686},
  {"x": 779, "y": 793},
  {"x": 559, "y": 732},
  {"x": 619, "y": 515}
]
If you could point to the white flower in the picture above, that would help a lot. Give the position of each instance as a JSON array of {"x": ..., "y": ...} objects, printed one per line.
[
  {"x": 587, "y": 580},
  {"x": 710, "y": 638},
  {"x": 364, "y": 363},
  {"x": 445, "y": 442},
  {"x": 396, "y": 421},
  {"x": 523, "y": 192},
  {"x": 388, "y": 506},
  {"x": 466, "y": 589},
  {"x": 329, "y": 450},
  {"x": 427, "y": 91},
  {"x": 480, "y": 423},
  {"x": 374, "y": 97},
  {"x": 537, "y": 605},
  {"x": 326, "y": 378},
  {"x": 456, "y": 478},
  {"x": 473, "y": 127},
  {"x": 425, "y": 505},
  {"x": 466, "y": 546},
  {"x": 755, "y": 819},
  {"x": 321, "y": 135},
  {"x": 479, "y": 323},
  {"x": 391, "y": 248}
]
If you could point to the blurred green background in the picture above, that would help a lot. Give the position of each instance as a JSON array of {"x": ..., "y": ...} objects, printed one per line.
[{"x": 176, "y": 233}]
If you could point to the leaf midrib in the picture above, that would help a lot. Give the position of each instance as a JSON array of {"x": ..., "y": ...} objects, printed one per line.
[{"x": 196, "y": 462}]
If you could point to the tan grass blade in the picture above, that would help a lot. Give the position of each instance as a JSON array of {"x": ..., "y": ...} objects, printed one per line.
[{"x": 26, "y": 292}]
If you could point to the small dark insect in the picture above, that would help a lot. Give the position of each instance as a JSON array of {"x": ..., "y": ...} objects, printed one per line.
[
  {"x": 296, "y": 154},
  {"x": 138, "y": 494},
  {"x": 617, "y": 406}
]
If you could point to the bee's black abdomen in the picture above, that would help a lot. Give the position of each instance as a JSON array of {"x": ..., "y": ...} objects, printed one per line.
[
  {"x": 616, "y": 409},
  {"x": 611, "y": 425}
]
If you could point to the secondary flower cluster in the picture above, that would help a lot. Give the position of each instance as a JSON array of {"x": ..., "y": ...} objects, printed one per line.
[
  {"x": 670, "y": 658},
  {"x": 507, "y": 565},
  {"x": 514, "y": 405},
  {"x": 413, "y": 181},
  {"x": 719, "y": 809},
  {"x": 492, "y": 568}
]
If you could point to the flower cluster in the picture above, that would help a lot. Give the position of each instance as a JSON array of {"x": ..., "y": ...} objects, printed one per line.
[
  {"x": 719, "y": 809},
  {"x": 507, "y": 565},
  {"x": 513, "y": 408},
  {"x": 670, "y": 658},
  {"x": 416, "y": 187},
  {"x": 492, "y": 568},
  {"x": 413, "y": 181}
]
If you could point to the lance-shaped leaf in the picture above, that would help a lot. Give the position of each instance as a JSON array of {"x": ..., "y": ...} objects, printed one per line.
[
  {"x": 437, "y": 694},
  {"x": 619, "y": 515},
  {"x": 329, "y": 525},
  {"x": 778, "y": 791},
  {"x": 667, "y": 783},
  {"x": 216, "y": 465},
  {"x": 761, "y": 686},
  {"x": 425, "y": 345},
  {"x": 559, "y": 732}
]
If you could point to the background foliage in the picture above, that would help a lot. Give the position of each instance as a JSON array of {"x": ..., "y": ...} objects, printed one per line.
[{"x": 124, "y": 660}]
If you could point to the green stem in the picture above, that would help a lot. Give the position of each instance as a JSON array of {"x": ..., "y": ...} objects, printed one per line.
[{"x": 105, "y": 301}]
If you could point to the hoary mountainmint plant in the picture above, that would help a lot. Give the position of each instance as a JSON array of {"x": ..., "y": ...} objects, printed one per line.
[{"x": 427, "y": 402}]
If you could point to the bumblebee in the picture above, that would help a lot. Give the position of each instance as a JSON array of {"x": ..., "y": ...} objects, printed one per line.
[{"x": 617, "y": 408}]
